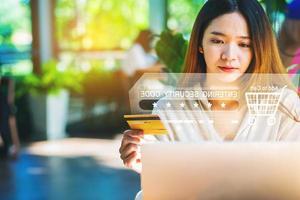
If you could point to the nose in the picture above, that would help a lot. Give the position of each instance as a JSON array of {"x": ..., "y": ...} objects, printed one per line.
[{"x": 229, "y": 53}]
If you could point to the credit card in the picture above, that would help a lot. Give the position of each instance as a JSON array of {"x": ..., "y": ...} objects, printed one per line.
[{"x": 150, "y": 124}]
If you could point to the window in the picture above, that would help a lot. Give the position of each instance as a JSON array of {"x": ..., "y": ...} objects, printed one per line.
[
  {"x": 182, "y": 14},
  {"x": 99, "y": 24},
  {"x": 15, "y": 37}
]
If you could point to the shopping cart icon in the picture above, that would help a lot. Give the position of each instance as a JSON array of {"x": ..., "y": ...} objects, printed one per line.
[{"x": 263, "y": 104}]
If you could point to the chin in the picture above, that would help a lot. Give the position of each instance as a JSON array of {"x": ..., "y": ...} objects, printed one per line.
[{"x": 229, "y": 77}]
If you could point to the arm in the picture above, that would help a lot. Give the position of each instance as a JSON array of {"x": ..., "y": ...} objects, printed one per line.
[{"x": 12, "y": 120}]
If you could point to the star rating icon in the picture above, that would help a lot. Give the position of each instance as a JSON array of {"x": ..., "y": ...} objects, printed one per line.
[
  {"x": 182, "y": 105},
  {"x": 154, "y": 105},
  {"x": 234, "y": 121},
  {"x": 196, "y": 105},
  {"x": 209, "y": 105},
  {"x": 178, "y": 128},
  {"x": 223, "y": 105},
  {"x": 168, "y": 105}
]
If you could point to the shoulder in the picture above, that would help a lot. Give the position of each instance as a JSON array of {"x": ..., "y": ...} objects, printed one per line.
[
  {"x": 290, "y": 104},
  {"x": 137, "y": 48}
]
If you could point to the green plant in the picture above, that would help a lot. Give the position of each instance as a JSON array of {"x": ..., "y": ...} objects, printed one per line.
[
  {"x": 170, "y": 49},
  {"x": 50, "y": 81},
  {"x": 274, "y": 7}
]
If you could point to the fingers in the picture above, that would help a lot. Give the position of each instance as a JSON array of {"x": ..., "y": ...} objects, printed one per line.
[
  {"x": 131, "y": 160},
  {"x": 128, "y": 150},
  {"x": 129, "y": 140},
  {"x": 131, "y": 136},
  {"x": 134, "y": 133}
]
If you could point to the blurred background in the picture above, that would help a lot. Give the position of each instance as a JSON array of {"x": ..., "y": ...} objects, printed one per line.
[{"x": 66, "y": 67}]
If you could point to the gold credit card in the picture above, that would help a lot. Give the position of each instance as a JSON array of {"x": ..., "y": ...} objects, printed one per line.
[{"x": 150, "y": 124}]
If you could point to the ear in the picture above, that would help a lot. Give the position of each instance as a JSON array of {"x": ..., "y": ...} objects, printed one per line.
[{"x": 201, "y": 50}]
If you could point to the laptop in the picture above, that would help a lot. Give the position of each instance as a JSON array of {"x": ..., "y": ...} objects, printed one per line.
[{"x": 227, "y": 171}]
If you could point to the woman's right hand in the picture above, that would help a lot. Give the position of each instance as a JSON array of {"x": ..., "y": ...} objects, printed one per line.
[{"x": 130, "y": 149}]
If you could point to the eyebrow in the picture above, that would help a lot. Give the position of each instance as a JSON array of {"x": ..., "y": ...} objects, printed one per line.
[{"x": 222, "y": 34}]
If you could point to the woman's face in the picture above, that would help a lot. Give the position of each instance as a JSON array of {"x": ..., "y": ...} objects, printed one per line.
[{"x": 227, "y": 47}]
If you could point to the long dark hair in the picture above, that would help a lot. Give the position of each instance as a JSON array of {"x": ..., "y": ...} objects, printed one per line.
[{"x": 266, "y": 57}]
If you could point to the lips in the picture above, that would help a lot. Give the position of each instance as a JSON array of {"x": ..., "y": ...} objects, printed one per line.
[{"x": 227, "y": 69}]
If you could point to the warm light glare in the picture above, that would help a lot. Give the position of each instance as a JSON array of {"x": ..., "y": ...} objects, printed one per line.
[{"x": 102, "y": 150}]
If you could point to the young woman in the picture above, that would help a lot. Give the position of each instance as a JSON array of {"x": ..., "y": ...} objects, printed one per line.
[{"x": 230, "y": 38}]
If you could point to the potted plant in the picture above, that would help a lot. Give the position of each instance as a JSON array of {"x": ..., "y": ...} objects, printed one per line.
[
  {"x": 171, "y": 49},
  {"x": 49, "y": 97}
]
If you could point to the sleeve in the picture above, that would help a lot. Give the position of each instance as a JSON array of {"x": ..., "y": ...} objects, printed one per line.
[{"x": 290, "y": 123}]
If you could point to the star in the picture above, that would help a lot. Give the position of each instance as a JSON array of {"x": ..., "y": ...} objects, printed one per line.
[
  {"x": 234, "y": 121},
  {"x": 223, "y": 105},
  {"x": 178, "y": 128},
  {"x": 182, "y": 105},
  {"x": 196, "y": 105},
  {"x": 154, "y": 105},
  {"x": 168, "y": 104},
  {"x": 209, "y": 105}
]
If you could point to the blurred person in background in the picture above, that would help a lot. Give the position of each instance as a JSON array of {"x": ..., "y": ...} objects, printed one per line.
[
  {"x": 139, "y": 56},
  {"x": 289, "y": 36},
  {"x": 9, "y": 140},
  {"x": 138, "y": 60}
]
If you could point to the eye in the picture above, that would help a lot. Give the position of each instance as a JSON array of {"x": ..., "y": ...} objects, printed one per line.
[
  {"x": 245, "y": 45},
  {"x": 217, "y": 41}
]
